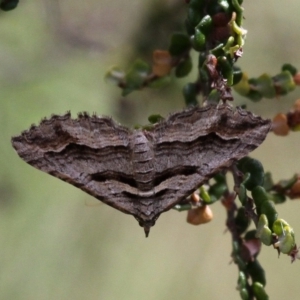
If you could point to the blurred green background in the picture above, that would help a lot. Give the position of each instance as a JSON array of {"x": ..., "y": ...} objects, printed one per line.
[{"x": 59, "y": 243}]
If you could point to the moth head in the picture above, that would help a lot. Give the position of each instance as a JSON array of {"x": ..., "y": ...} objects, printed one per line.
[{"x": 146, "y": 224}]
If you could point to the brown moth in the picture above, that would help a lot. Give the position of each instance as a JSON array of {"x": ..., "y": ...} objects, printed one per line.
[{"x": 142, "y": 172}]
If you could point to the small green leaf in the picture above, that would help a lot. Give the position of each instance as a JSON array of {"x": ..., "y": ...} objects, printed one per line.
[
  {"x": 155, "y": 118},
  {"x": 242, "y": 87},
  {"x": 237, "y": 75},
  {"x": 184, "y": 68},
  {"x": 224, "y": 4},
  {"x": 256, "y": 170},
  {"x": 281, "y": 227},
  {"x": 254, "y": 96},
  {"x": 288, "y": 67},
  {"x": 213, "y": 97},
  {"x": 204, "y": 195},
  {"x": 263, "y": 85},
  {"x": 205, "y": 25},
  {"x": 259, "y": 291},
  {"x": 256, "y": 272},
  {"x": 179, "y": 44},
  {"x": 242, "y": 194},
  {"x": 217, "y": 190},
  {"x": 242, "y": 280},
  {"x": 194, "y": 15},
  {"x": 115, "y": 75},
  {"x": 244, "y": 294},
  {"x": 278, "y": 198},
  {"x": 190, "y": 93},
  {"x": 268, "y": 181},
  {"x": 241, "y": 220},
  {"x": 259, "y": 196},
  {"x": 160, "y": 82},
  {"x": 284, "y": 83},
  {"x": 198, "y": 40},
  {"x": 226, "y": 69},
  {"x": 286, "y": 237},
  {"x": 286, "y": 243},
  {"x": 268, "y": 208},
  {"x": 218, "y": 50},
  {"x": 263, "y": 231},
  {"x": 135, "y": 77},
  {"x": 7, "y": 5},
  {"x": 196, "y": 4}
]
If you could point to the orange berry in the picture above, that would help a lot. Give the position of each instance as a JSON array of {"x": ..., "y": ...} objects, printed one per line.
[
  {"x": 280, "y": 126},
  {"x": 199, "y": 215}
]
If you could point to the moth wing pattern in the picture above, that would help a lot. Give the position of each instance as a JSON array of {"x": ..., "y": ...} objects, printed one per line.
[
  {"x": 142, "y": 172},
  {"x": 203, "y": 141},
  {"x": 81, "y": 152}
]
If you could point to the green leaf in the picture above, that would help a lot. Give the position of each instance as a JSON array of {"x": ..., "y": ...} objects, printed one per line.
[
  {"x": 264, "y": 85},
  {"x": 242, "y": 87},
  {"x": 290, "y": 68},
  {"x": 237, "y": 75},
  {"x": 268, "y": 181},
  {"x": 190, "y": 93},
  {"x": 256, "y": 272},
  {"x": 179, "y": 44},
  {"x": 263, "y": 232},
  {"x": 259, "y": 291},
  {"x": 241, "y": 220},
  {"x": 217, "y": 190},
  {"x": 264, "y": 205},
  {"x": 115, "y": 75},
  {"x": 135, "y": 77},
  {"x": 244, "y": 294},
  {"x": 268, "y": 208},
  {"x": 196, "y": 4},
  {"x": 155, "y": 118},
  {"x": 194, "y": 15},
  {"x": 7, "y": 5},
  {"x": 160, "y": 82},
  {"x": 184, "y": 67},
  {"x": 224, "y": 4},
  {"x": 205, "y": 25},
  {"x": 284, "y": 83},
  {"x": 204, "y": 195},
  {"x": 226, "y": 69},
  {"x": 278, "y": 198},
  {"x": 242, "y": 194},
  {"x": 259, "y": 196},
  {"x": 198, "y": 40},
  {"x": 256, "y": 170}
]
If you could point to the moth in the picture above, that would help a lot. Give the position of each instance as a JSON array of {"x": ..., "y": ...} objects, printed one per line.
[{"x": 142, "y": 172}]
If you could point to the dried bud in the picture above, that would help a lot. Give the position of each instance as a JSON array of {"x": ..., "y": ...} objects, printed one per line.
[
  {"x": 162, "y": 63},
  {"x": 200, "y": 215},
  {"x": 280, "y": 125},
  {"x": 195, "y": 198},
  {"x": 295, "y": 190}
]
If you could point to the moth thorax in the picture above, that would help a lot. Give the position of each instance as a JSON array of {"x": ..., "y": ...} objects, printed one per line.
[{"x": 142, "y": 161}]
